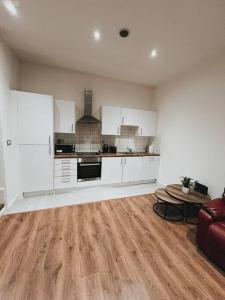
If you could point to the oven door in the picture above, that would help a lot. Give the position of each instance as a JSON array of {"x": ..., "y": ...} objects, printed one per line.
[{"x": 88, "y": 171}]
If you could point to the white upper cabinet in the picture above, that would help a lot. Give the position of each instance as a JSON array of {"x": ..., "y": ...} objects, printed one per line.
[
  {"x": 111, "y": 120},
  {"x": 35, "y": 118},
  {"x": 129, "y": 117},
  {"x": 64, "y": 116},
  {"x": 147, "y": 121},
  {"x": 114, "y": 117}
]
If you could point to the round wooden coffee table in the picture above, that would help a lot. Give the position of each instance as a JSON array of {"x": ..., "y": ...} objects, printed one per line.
[
  {"x": 192, "y": 201},
  {"x": 167, "y": 207}
]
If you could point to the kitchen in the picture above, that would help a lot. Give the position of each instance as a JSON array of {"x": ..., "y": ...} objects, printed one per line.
[
  {"x": 58, "y": 150},
  {"x": 108, "y": 109}
]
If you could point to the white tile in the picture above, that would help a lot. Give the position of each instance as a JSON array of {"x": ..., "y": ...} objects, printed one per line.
[{"x": 80, "y": 196}]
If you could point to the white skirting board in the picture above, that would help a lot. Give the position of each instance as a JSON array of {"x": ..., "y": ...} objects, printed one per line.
[
  {"x": 81, "y": 196},
  {"x": 9, "y": 204}
]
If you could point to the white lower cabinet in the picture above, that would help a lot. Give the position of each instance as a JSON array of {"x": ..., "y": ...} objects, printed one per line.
[
  {"x": 129, "y": 169},
  {"x": 64, "y": 182},
  {"x": 132, "y": 168},
  {"x": 111, "y": 170},
  {"x": 36, "y": 165},
  {"x": 65, "y": 173},
  {"x": 150, "y": 167}
]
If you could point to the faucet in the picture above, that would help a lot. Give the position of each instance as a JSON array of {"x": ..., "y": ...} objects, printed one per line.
[{"x": 129, "y": 149}]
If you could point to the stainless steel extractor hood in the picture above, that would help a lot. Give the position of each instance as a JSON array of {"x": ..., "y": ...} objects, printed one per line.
[{"x": 88, "y": 118}]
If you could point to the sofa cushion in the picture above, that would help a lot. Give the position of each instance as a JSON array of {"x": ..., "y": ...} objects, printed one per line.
[
  {"x": 216, "y": 209},
  {"x": 216, "y": 236}
]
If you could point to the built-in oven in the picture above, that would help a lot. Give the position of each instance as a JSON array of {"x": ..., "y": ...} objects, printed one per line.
[{"x": 89, "y": 168}]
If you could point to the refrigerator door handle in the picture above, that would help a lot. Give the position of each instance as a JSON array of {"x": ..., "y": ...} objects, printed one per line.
[{"x": 49, "y": 147}]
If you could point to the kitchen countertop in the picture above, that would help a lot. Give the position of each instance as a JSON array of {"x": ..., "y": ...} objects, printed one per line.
[{"x": 118, "y": 154}]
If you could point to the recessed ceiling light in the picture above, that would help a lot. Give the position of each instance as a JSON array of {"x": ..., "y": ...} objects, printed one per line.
[
  {"x": 11, "y": 7},
  {"x": 153, "y": 53},
  {"x": 97, "y": 35}
]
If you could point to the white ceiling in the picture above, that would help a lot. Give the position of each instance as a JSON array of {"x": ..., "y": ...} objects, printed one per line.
[{"x": 60, "y": 33}]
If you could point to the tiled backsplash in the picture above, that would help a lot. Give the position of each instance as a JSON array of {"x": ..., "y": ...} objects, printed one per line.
[
  {"x": 88, "y": 138},
  {"x": 127, "y": 139}
]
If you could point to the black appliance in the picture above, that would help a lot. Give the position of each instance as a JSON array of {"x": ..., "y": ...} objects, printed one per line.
[
  {"x": 105, "y": 148},
  {"x": 112, "y": 149},
  {"x": 89, "y": 168},
  {"x": 64, "y": 148},
  {"x": 198, "y": 187}
]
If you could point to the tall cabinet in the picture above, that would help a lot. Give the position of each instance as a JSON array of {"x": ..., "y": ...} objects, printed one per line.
[{"x": 35, "y": 138}]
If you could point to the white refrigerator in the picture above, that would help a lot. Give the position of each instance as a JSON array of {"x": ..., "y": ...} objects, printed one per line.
[{"x": 35, "y": 138}]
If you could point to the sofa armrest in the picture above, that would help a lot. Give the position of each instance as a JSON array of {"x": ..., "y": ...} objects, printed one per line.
[
  {"x": 204, "y": 221},
  {"x": 216, "y": 209}
]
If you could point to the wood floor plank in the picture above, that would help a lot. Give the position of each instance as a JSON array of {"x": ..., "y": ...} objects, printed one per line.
[{"x": 117, "y": 249}]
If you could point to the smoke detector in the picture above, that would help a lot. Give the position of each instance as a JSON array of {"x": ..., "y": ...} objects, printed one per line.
[{"x": 124, "y": 32}]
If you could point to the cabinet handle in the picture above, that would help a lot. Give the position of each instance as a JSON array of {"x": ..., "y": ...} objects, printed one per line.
[
  {"x": 122, "y": 120},
  {"x": 49, "y": 145},
  {"x": 72, "y": 127},
  {"x": 90, "y": 164},
  {"x": 141, "y": 131},
  {"x": 118, "y": 130},
  {"x": 64, "y": 169}
]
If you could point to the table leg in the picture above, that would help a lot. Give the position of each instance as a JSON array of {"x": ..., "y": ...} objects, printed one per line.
[{"x": 187, "y": 210}]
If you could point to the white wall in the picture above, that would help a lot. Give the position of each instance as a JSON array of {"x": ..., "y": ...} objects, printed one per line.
[
  {"x": 65, "y": 84},
  {"x": 192, "y": 126},
  {"x": 8, "y": 162}
]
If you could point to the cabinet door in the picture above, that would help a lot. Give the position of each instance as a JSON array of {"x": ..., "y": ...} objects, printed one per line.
[
  {"x": 65, "y": 182},
  {"x": 64, "y": 116},
  {"x": 147, "y": 123},
  {"x": 111, "y": 170},
  {"x": 132, "y": 169},
  {"x": 129, "y": 117},
  {"x": 35, "y": 118},
  {"x": 36, "y": 164},
  {"x": 150, "y": 167},
  {"x": 111, "y": 117}
]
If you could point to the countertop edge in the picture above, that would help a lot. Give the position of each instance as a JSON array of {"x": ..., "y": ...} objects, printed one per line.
[{"x": 70, "y": 156}]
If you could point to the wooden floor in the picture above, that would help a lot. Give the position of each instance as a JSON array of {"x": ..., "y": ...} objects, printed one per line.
[{"x": 117, "y": 249}]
